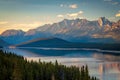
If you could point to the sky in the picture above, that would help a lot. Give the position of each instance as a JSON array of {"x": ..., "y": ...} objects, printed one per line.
[{"x": 29, "y": 14}]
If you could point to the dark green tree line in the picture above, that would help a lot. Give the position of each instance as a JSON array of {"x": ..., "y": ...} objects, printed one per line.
[{"x": 14, "y": 67}]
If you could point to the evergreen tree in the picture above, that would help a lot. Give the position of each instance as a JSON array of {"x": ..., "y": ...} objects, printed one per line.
[{"x": 14, "y": 67}]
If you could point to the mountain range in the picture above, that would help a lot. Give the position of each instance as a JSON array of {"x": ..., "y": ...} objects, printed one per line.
[
  {"x": 56, "y": 43},
  {"x": 76, "y": 30}
]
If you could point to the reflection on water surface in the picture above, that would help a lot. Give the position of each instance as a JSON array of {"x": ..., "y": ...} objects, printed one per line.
[{"x": 105, "y": 66}]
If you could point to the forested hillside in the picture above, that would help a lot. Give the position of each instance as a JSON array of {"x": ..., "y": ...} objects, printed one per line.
[{"x": 14, "y": 67}]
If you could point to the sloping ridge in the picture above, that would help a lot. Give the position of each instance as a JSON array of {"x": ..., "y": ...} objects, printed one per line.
[
  {"x": 60, "y": 43},
  {"x": 3, "y": 43},
  {"x": 43, "y": 42}
]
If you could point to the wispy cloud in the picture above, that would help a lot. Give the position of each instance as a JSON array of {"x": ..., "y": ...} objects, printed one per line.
[
  {"x": 60, "y": 16},
  {"x": 22, "y": 26},
  {"x": 113, "y": 2},
  {"x": 74, "y": 15},
  {"x": 73, "y": 6},
  {"x": 3, "y": 22},
  {"x": 26, "y": 26},
  {"x": 117, "y": 15},
  {"x": 61, "y": 5},
  {"x": 108, "y": 0},
  {"x": 70, "y": 15}
]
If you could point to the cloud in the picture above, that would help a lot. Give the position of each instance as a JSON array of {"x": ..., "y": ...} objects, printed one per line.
[
  {"x": 27, "y": 26},
  {"x": 3, "y": 22},
  {"x": 74, "y": 15},
  {"x": 108, "y": 0},
  {"x": 22, "y": 26},
  {"x": 73, "y": 6},
  {"x": 60, "y": 16},
  {"x": 70, "y": 15},
  {"x": 115, "y": 3},
  {"x": 61, "y": 5},
  {"x": 117, "y": 15},
  {"x": 112, "y": 2}
]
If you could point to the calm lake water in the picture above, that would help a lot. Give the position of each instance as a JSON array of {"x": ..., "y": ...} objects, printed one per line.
[{"x": 104, "y": 66}]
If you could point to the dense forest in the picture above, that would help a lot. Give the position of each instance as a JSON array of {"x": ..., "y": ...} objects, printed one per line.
[{"x": 14, "y": 67}]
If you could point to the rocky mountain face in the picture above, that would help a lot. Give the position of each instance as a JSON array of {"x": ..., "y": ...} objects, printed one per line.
[
  {"x": 78, "y": 30},
  {"x": 12, "y": 36},
  {"x": 13, "y": 32}
]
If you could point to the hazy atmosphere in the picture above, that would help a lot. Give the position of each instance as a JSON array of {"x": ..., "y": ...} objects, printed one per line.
[{"x": 59, "y": 39}]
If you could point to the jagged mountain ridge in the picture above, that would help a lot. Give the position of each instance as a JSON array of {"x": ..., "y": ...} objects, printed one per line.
[{"x": 77, "y": 30}]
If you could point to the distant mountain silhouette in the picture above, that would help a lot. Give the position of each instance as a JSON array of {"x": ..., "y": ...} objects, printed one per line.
[
  {"x": 60, "y": 43},
  {"x": 44, "y": 42},
  {"x": 3, "y": 43},
  {"x": 77, "y": 30}
]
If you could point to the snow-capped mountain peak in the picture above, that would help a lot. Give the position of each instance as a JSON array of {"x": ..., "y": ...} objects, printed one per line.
[{"x": 12, "y": 32}]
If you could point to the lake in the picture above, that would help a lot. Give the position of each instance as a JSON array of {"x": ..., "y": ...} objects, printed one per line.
[{"x": 105, "y": 65}]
